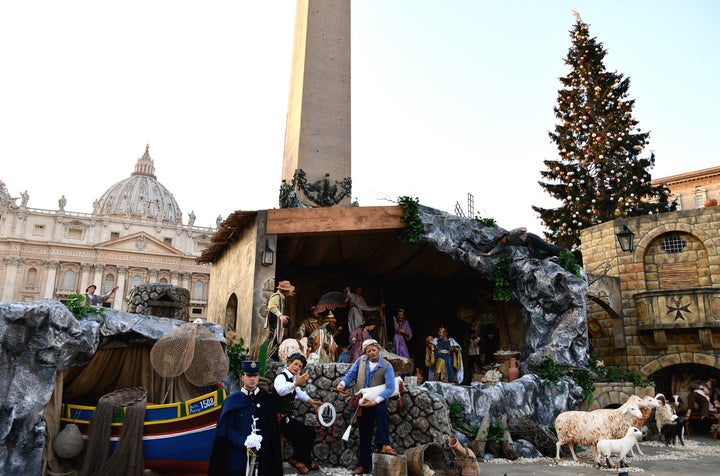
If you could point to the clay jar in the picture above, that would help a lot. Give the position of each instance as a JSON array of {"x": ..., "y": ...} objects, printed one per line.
[{"x": 513, "y": 370}]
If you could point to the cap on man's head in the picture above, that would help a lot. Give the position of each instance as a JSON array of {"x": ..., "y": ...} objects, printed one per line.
[
  {"x": 499, "y": 234},
  {"x": 369, "y": 342},
  {"x": 297, "y": 356},
  {"x": 91, "y": 286},
  {"x": 286, "y": 286},
  {"x": 251, "y": 367}
]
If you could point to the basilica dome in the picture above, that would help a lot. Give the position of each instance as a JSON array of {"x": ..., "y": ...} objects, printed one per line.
[{"x": 140, "y": 196}]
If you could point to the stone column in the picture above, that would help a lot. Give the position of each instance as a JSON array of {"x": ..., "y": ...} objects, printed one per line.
[
  {"x": 153, "y": 275},
  {"x": 85, "y": 276},
  {"x": 11, "y": 267},
  {"x": 50, "y": 285},
  {"x": 120, "y": 293},
  {"x": 98, "y": 279},
  {"x": 174, "y": 277},
  {"x": 186, "y": 281}
]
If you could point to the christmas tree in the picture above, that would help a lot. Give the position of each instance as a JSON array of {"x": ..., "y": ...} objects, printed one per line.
[{"x": 599, "y": 175}]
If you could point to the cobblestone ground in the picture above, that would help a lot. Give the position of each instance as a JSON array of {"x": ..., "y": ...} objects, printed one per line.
[{"x": 700, "y": 456}]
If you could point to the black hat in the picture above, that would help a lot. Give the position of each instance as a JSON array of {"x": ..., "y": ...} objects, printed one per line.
[{"x": 251, "y": 367}]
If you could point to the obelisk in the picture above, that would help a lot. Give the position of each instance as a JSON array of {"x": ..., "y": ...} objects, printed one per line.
[{"x": 317, "y": 134}]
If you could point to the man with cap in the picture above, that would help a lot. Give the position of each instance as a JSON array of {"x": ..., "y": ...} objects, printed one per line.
[
  {"x": 276, "y": 318},
  {"x": 249, "y": 405},
  {"x": 538, "y": 247},
  {"x": 371, "y": 370},
  {"x": 286, "y": 389},
  {"x": 92, "y": 299}
]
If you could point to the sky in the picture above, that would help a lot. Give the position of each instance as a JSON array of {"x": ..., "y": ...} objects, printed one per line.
[{"x": 449, "y": 98}]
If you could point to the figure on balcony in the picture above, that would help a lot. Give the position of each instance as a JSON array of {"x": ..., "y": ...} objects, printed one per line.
[{"x": 92, "y": 299}]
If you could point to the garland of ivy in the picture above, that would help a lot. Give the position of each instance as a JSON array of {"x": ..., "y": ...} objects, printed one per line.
[{"x": 413, "y": 231}]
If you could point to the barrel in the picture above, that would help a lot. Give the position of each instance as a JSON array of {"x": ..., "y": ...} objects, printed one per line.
[
  {"x": 389, "y": 465},
  {"x": 431, "y": 454}
]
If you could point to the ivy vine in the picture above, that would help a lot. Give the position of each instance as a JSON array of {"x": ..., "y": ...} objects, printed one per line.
[
  {"x": 500, "y": 277},
  {"x": 76, "y": 305},
  {"x": 236, "y": 353},
  {"x": 413, "y": 231},
  {"x": 567, "y": 260}
]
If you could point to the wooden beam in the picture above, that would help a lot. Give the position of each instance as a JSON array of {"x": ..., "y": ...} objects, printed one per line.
[{"x": 313, "y": 221}]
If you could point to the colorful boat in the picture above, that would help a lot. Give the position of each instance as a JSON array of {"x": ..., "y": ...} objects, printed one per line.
[{"x": 177, "y": 437}]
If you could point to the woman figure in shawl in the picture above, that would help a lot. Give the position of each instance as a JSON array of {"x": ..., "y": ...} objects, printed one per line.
[{"x": 403, "y": 334}]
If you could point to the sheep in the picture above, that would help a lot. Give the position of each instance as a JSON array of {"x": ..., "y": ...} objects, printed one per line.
[
  {"x": 646, "y": 405},
  {"x": 371, "y": 393},
  {"x": 620, "y": 447},
  {"x": 664, "y": 414},
  {"x": 586, "y": 428},
  {"x": 672, "y": 431}
]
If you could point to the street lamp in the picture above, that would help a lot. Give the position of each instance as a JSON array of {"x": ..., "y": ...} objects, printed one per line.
[
  {"x": 267, "y": 255},
  {"x": 625, "y": 238}
]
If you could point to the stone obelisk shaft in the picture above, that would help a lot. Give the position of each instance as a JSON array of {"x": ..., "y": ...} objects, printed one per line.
[{"x": 317, "y": 135}]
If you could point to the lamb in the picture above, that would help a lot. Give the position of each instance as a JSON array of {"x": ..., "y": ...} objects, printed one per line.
[
  {"x": 672, "y": 431},
  {"x": 620, "y": 447},
  {"x": 646, "y": 405},
  {"x": 587, "y": 428},
  {"x": 371, "y": 393}
]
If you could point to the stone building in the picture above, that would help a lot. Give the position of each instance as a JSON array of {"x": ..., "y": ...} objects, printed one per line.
[
  {"x": 693, "y": 189},
  {"x": 134, "y": 235},
  {"x": 655, "y": 307}
]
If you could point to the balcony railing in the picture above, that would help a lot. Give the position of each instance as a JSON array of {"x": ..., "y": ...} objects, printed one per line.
[{"x": 678, "y": 310}]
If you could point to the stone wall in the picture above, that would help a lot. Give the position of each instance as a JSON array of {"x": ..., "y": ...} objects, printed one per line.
[
  {"x": 613, "y": 394},
  {"x": 422, "y": 416},
  {"x": 642, "y": 332}
]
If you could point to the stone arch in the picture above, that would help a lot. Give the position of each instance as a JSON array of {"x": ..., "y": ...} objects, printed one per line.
[
  {"x": 651, "y": 235},
  {"x": 611, "y": 394},
  {"x": 678, "y": 358}
]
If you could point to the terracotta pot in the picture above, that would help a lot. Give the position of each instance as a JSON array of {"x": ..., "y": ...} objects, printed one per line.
[
  {"x": 459, "y": 449},
  {"x": 711, "y": 202},
  {"x": 513, "y": 370}
]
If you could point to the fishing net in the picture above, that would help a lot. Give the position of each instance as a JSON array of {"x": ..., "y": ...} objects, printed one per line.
[
  {"x": 210, "y": 364},
  {"x": 127, "y": 459},
  {"x": 173, "y": 353}
]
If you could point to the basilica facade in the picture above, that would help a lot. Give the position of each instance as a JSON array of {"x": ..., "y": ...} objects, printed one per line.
[{"x": 134, "y": 235}]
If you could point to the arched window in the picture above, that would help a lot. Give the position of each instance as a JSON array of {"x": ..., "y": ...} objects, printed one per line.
[
  {"x": 31, "y": 277},
  {"x": 198, "y": 290},
  {"x": 109, "y": 283},
  {"x": 163, "y": 280},
  {"x": 68, "y": 281},
  {"x": 137, "y": 280}
]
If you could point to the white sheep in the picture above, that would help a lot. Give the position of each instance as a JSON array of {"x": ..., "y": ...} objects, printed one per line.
[
  {"x": 371, "y": 393},
  {"x": 587, "y": 428},
  {"x": 645, "y": 404},
  {"x": 619, "y": 446}
]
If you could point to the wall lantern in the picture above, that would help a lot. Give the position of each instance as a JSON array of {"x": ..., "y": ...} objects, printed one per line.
[
  {"x": 625, "y": 237},
  {"x": 268, "y": 255}
]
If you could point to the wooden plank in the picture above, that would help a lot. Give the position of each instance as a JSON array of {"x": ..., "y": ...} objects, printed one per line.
[
  {"x": 313, "y": 221},
  {"x": 678, "y": 276}
]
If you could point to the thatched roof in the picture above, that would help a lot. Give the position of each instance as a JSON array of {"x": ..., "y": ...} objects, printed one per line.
[{"x": 227, "y": 233}]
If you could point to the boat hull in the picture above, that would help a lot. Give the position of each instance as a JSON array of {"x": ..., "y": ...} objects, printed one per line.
[{"x": 176, "y": 436}]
